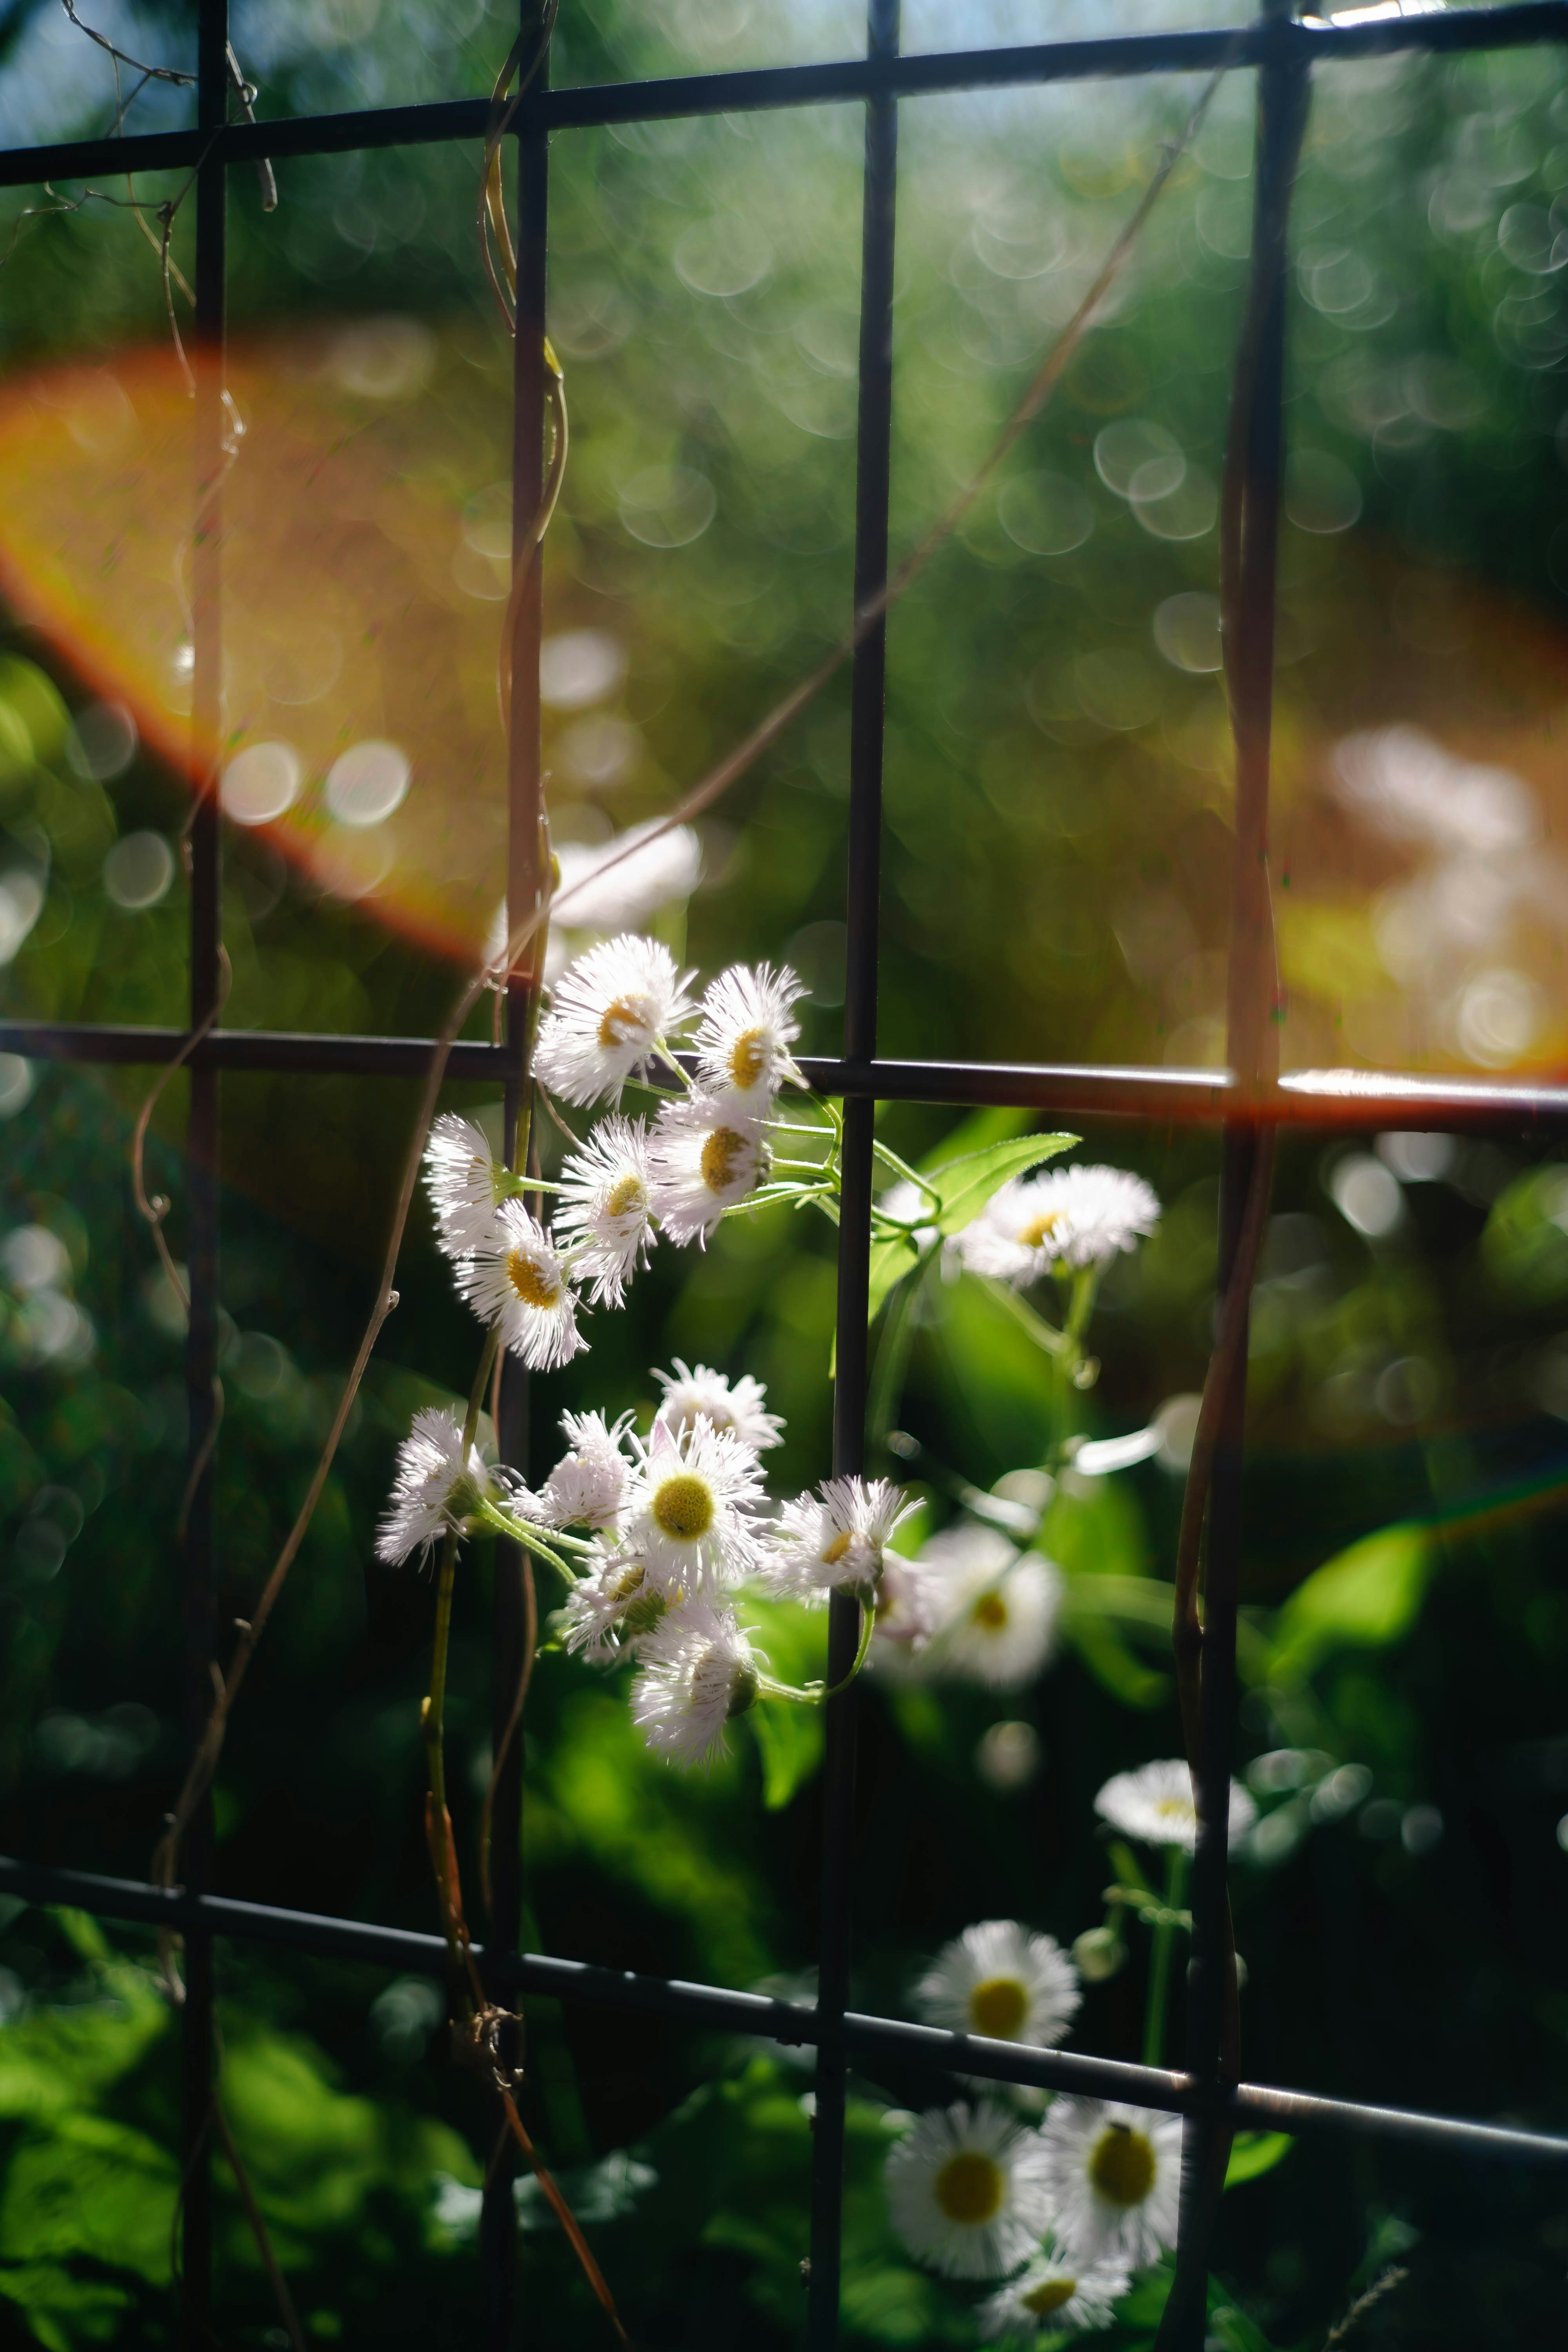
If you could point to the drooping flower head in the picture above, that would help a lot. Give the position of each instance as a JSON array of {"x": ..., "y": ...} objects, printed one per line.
[
  {"x": 611, "y": 1608},
  {"x": 999, "y": 1608},
  {"x": 698, "y": 1671},
  {"x": 608, "y": 1011},
  {"x": 1155, "y": 1804},
  {"x": 604, "y": 1211},
  {"x": 1113, "y": 2178},
  {"x": 1071, "y": 1217},
  {"x": 466, "y": 1183},
  {"x": 588, "y": 1484},
  {"x": 999, "y": 1980},
  {"x": 966, "y": 2189},
  {"x": 1056, "y": 2295},
  {"x": 694, "y": 1394},
  {"x": 517, "y": 1280},
  {"x": 434, "y": 1490},
  {"x": 689, "y": 1510},
  {"x": 705, "y": 1156},
  {"x": 833, "y": 1541},
  {"x": 746, "y": 1031}
]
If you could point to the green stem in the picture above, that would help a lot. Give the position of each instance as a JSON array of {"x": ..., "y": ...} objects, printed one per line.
[
  {"x": 815, "y": 1694},
  {"x": 1159, "y": 1960},
  {"x": 867, "y": 1627},
  {"x": 892, "y": 1361},
  {"x": 910, "y": 1175}
]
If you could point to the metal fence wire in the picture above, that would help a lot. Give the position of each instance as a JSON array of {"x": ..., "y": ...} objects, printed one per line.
[{"x": 1282, "y": 52}]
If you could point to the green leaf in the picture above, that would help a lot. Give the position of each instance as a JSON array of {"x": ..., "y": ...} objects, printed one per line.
[
  {"x": 1252, "y": 2154},
  {"x": 789, "y": 1741},
  {"x": 890, "y": 1262},
  {"x": 1363, "y": 1599},
  {"x": 966, "y": 1184}
]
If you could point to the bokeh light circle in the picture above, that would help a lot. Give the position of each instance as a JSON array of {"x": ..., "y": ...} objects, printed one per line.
[
  {"x": 367, "y": 782},
  {"x": 260, "y": 782}
]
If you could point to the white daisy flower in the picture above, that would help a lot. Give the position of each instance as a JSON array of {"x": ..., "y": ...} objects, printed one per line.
[
  {"x": 466, "y": 1183},
  {"x": 433, "y": 1488},
  {"x": 705, "y": 1156},
  {"x": 967, "y": 2191},
  {"x": 999, "y": 1980},
  {"x": 517, "y": 1279},
  {"x": 1113, "y": 2179},
  {"x": 833, "y": 1541},
  {"x": 1071, "y": 1217},
  {"x": 999, "y": 1609},
  {"x": 610, "y": 1608},
  {"x": 697, "y": 1671},
  {"x": 1053, "y": 2293},
  {"x": 745, "y": 1035},
  {"x": 602, "y": 1213},
  {"x": 588, "y": 1484},
  {"x": 688, "y": 1509},
  {"x": 908, "y": 1609},
  {"x": 1154, "y": 1804},
  {"x": 735, "y": 1405},
  {"x": 607, "y": 1011}
]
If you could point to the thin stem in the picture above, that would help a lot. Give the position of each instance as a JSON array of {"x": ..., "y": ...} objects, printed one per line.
[
  {"x": 900, "y": 1167},
  {"x": 1176, "y": 1865},
  {"x": 867, "y": 1627}
]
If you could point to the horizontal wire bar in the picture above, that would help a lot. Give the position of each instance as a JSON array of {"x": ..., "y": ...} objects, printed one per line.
[
  {"x": 886, "y": 2041},
  {"x": 1355, "y": 1099},
  {"x": 767, "y": 88}
]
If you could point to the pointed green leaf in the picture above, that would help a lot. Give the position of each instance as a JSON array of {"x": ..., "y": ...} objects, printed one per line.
[
  {"x": 966, "y": 1184},
  {"x": 1252, "y": 2154},
  {"x": 789, "y": 1741},
  {"x": 1363, "y": 1599}
]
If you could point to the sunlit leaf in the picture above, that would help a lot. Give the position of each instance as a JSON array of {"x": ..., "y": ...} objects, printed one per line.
[
  {"x": 1252, "y": 2154},
  {"x": 789, "y": 1741},
  {"x": 965, "y": 1185},
  {"x": 1364, "y": 1599}
]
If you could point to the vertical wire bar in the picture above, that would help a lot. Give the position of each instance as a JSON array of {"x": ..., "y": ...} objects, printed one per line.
[
  {"x": 202, "y": 1142},
  {"x": 527, "y": 865},
  {"x": 1254, "y": 461},
  {"x": 873, "y": 467}
]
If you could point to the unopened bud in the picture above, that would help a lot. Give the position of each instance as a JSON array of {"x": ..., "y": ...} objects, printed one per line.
[{"x": 1098, "y": 1953}]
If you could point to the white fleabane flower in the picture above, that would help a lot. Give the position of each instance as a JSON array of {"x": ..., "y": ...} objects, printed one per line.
[
  {"x": 1113, "y": 2178},
  {"x": 603, "y": 1213},
  {"x": 433, "y": 1488},
  {"x": 518, "y": 1281},
  {"x": 699, "y": 1394},
  {"x": 697, "y": 1671},
  {"x": 689, "y": 1510},
  {"x": 1155, "y": 1805},
  {"x": 833, "y": 1541},
  {"x": 466, "y": 1183},
  {"x": 967, "y": 2191},
  {"x": 611, "y": 1608},
  {"x": 588, "y": 1484},
  {"x": 705, "y": 1156},
  {"x": 999, "y": 1980},
  {"x": 607, "y": 1011},
  {"x": 908, "y": 1609},
  {"x": 1056, "y": 2293},
  {"x": 1071, "y": 1217},
  {"x": 746, "y": 1031},
  {"x": 999, "y": 1608}
]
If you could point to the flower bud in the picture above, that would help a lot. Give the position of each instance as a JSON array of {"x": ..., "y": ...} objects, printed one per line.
[{"x": 1098, "y": 1953}]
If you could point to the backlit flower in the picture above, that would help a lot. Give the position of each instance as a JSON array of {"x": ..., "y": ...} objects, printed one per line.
[
  {"x": 518, "y": 1281},
  {"x": 698, "y": 1671},
  {"x": 1154, "y": 1804},
  {"x": 967, "y": 2191},
  {"x": 999, "y": 1608},
  {"x": 611, "y": 1607},
  {"x": 691, "y": 1395},
  {"x": 588, "y": 1484},
  {"x": 466, "y": 1183},
  {"x": 1113, "y": 2179},
  {"x": 705, "y": 1157},
  {"x": 603, "y": 1214},
  {"x": 1056, "y": 2293},
  {"x": 434, "y": 1490},
  {"x": 999, "y": 1980},
  {"x": 689, "y": 1510},
  {"x": 745, "y": 1035},
  {"x": 607, "y": 1011},
  {"x": 833, "y": 1541},
  {"x": 1071, "y": 1217}
]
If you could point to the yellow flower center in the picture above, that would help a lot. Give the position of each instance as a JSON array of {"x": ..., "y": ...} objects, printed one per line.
[
  {"x": 970, "y": 2188},
  {"x": 990, "y": 1612},
  {"x": 627, "y": 1199},
  {"x": 683, "y": 1506},
  {"x": 622, "y": 1023},
  {"x": 998, "y": 2007},
  {"x": 1177, "y": 1809},
  {"x": 534, "y": 1284},
  {"x": 721, "y": 1151},
  {"x": 748, "y": 1058},
  {"x": 1121, "y": 2167},
  {"x": 836, "y": 1550},
  {"x": 1038, "y": 1231},
  {"x": 1048, "y": 2296}
]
